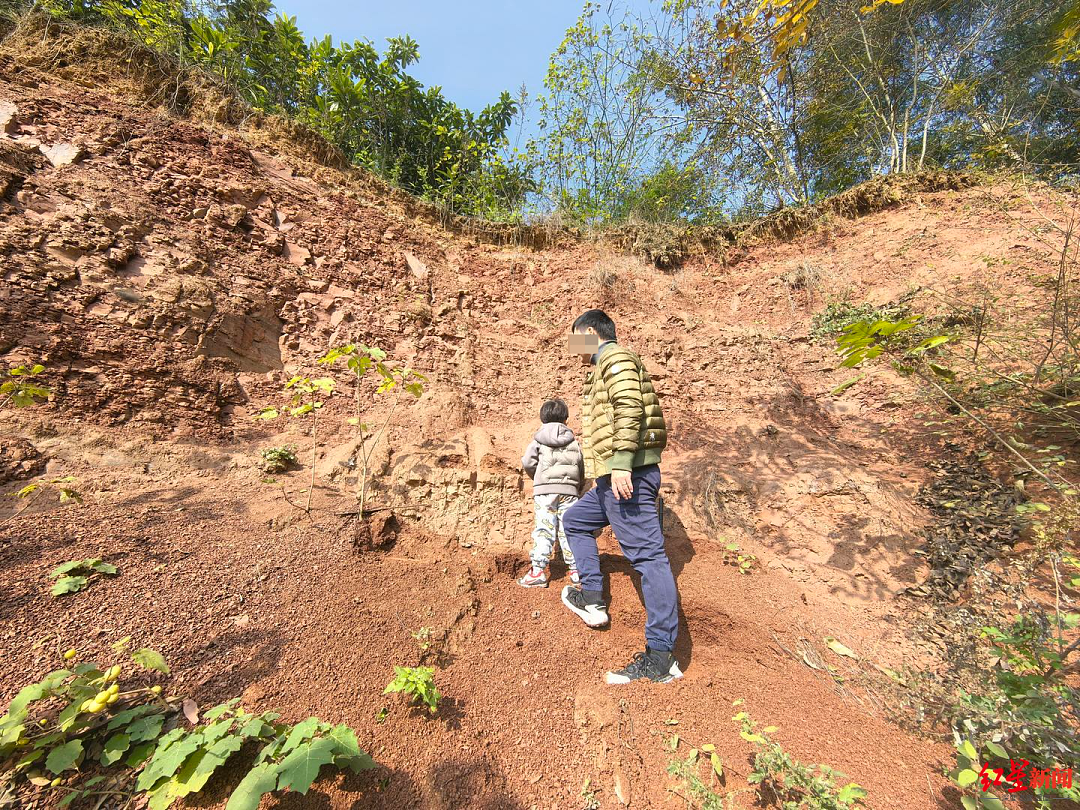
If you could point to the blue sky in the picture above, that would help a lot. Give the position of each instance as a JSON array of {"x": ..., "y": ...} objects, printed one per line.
[{"x": 473, "y": 49}]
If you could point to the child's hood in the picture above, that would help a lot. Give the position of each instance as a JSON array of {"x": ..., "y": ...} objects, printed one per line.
[{"x": 554, "y": 434}]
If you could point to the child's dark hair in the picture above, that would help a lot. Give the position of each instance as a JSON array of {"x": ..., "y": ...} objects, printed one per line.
[{"x": 554, "y": 410}]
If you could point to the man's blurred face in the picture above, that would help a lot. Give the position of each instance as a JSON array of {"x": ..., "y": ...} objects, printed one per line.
[{"x": 584, "y": 343}]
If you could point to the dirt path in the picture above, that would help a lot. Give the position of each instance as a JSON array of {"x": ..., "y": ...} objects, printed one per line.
[{"x": 172, "y": 279}]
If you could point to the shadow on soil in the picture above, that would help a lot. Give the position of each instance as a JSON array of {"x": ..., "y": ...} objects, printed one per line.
[
  {"x": 451, "y": 784},
  {"x": 732, "y": 481}
]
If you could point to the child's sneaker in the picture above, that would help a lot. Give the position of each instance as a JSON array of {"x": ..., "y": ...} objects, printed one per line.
[
  {"x": 575, "y": 577},
  {"x": 534, "y": 578}
]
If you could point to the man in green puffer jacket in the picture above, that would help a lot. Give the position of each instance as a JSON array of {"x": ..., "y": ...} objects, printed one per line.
[{"x": 622, "y": 436}]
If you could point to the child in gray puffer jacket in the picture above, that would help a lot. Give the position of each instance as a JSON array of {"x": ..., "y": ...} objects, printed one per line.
[{"x": 556, "y": 465}]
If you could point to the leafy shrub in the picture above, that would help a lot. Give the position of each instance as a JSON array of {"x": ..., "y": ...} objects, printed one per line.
[
  {"x": 278, "y": 459},
  {"x": 1027, "y": 714},
  {"x": 79, "y": 734},
  {"x": 686, "y": 770},
  {"x": 418, "y": 683},
  {"x": 783, "y": 781},
  {"x": 364, "y": 103},
  {"x": 839, "y": 315},
  {"x": 791, "y": 783},
  {"x": 74, "y": 576}
]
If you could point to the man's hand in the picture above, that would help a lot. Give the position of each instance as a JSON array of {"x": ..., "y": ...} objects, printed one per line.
[{"x": 622, "y": 484}]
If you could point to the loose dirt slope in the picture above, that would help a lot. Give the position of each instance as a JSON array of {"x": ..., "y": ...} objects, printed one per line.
[{"x": 173, "y": 277}]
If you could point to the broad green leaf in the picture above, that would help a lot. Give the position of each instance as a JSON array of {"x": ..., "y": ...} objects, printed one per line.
[
  {"x": 933, "y": 342},
  {"x": 991, "y": 803},
  {"x": 968, "y": 750},
  {"x": 115, "y": 747},
  {"x": 139, "y": 754},
  {"x": 717, "y": 765},
  {"x": 105, "y": 568},
  {"x": 126, "y": 716},
  {"x": 69, "y": 798},
  {"x": 966, "y": 777},
  {"x": 215, "y": 731},
  {"x": 30, "y": 758},
  {"x": 255, "y": 727},
  {"x": 148, "y": 728},
  {"x": 166, "y": 762},
  {"x": 301, "y": 767},
  {"x": 150, "y": 659},
  {"x": 73, "y": 565},
  {"x": 969, "y": 803},
  {"x": 851, "y": 792},
  {"x": 300, "y": 732},
  {"x": 260, "y": 780},
  {"x": 195, "y": 773},
  {"x": 66, "y": 585},
  {"x": 35, "y": 691},
  {"x": 64, "y": 756},
  {"x": 944, "y": 373},
  {"x": 752, "y": 738},
  {"x": 996, "y": 750},
  {"x": 220, "y": 709}
]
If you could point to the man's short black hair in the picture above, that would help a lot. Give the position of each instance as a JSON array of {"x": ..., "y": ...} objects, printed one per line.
[
  {"x": 599, "y": 321},
  {"x": 554, "y": 410}
]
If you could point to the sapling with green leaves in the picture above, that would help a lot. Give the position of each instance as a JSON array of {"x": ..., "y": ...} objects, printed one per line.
[
  {"x": 418, "y": 684},
  {"x": 21, "y": 389},
  {"x": 361, "y": 360},
  {"x": 305, "y": 401}
]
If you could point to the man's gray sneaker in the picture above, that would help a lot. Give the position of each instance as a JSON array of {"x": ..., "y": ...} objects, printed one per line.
[
  {"x": 592, "y": 612},
  {"x": 657, "y": 665}
]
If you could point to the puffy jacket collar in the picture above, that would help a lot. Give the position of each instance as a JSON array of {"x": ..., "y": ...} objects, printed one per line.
[
  {"x": 600, "y": 350},
  {"x": 554, "y": 434}
]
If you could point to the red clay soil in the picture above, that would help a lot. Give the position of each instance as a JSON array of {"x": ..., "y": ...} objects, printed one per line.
[{"x": 172, "y": 279}]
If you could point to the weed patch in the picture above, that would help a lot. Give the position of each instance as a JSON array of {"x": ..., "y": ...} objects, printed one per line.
[{"x": 278, "y": 459}]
